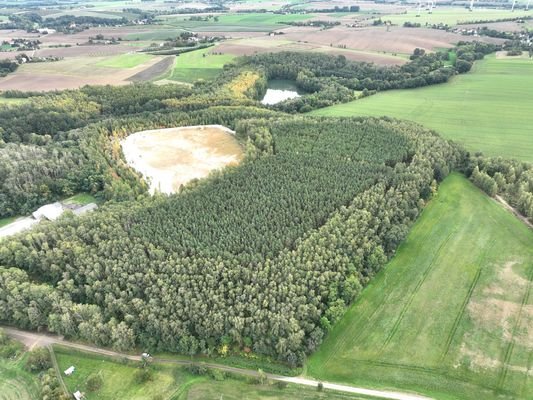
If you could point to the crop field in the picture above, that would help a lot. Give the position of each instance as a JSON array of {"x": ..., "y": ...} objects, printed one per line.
[
  {"x": 172, "y": 157},
  {"x": 125, "y": 61},
  {"x": 198, "y": 64},
  {"x": 451, "y": 315},
  {"x": 452, "y": 16},
  {"x": 15, "y": 382},
  {"x": 237, "y": 22},
  {"x": 488, "y": 109},
  {"x": 74, "y": 72}
]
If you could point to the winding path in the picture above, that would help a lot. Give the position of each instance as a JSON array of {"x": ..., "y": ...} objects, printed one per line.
[{"x": 31, "y": 340}]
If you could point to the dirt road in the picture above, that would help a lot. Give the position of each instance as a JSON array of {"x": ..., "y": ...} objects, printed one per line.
[{"x": 31, "y": 339}]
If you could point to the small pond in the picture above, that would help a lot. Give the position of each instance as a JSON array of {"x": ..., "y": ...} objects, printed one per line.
[{"x": 279, "y": 90}]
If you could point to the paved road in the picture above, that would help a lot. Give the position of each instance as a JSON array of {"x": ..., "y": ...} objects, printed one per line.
[{"x": 31, "y": 339}]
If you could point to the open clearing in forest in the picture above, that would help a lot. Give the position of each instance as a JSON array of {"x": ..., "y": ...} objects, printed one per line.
[
  {"x": 451, "y": 315},
  {"x": 487, "y": 109},
  {"x": 169, "y": 158},
  {"x": 198, "y": 64}
]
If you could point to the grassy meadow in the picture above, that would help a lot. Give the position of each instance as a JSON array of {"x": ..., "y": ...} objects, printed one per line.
[
  {"x": 15, "y": 382},
  {"x": 449, "y": 316},
  {"x": 171, "y": 382},
  {"x": 243, "y": 22},
  {"x": 193, "y": 65},
  {"x": 452, "y": 16},
  {"x": 487, "y": 109},
  {"x": 125, "y": 60}
]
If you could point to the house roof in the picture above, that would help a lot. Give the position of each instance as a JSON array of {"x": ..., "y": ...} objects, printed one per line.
[{"x": 50, "y": 211}]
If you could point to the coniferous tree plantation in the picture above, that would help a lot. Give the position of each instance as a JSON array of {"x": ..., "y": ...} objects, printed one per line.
[{"x": 264, "y": 255}]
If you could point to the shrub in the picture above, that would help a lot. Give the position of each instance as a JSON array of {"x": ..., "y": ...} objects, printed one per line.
[
  {"x": 142, "y": 375},
  {"x": 94, "y": 382},
  {"x": 38, "y": 360}
]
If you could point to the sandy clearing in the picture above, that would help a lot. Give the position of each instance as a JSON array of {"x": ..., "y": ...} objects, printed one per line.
[{"x": 169, "y": 158}]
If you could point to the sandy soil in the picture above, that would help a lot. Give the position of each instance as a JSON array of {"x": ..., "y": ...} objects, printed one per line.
[{"x": 169, "y": 158}]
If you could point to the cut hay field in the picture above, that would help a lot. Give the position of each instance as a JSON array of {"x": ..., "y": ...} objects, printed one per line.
[
  {"x": 452, "y": 16},
  {"x": 169, "y": 158},
  {"x": 451, "y": 316},
  {"x": 488, "y": 109},
  {"x": 198, "y": 64},
  {"x": 16, "y": 383}
]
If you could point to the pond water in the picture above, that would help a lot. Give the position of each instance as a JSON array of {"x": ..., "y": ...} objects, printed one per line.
[{"x": 279, "y": 90}]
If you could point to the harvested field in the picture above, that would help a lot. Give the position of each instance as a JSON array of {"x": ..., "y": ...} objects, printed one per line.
[
  {"x": 169, "y": 158},
  {"x": 397, "y": 40},
  {"x": 279, "y": 43},
  {"x": 154, "y": 71},
  {"x": 70, "y": 73}
]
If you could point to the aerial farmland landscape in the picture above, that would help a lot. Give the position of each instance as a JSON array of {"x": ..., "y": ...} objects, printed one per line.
[{"x": 266, "y": 199}]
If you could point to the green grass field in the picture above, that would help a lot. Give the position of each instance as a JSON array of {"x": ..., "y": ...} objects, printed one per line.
[
  {"x": 452, "y": 16},
  {"x": 488, "y": 109},
  {"x": 16, "y": 383},
  {"x": 125, "y": 61},
  {"x": 243, "y": 22},
  {"x": 170, "y": 382},
  {"x": 451, "y": 315},
  {"x": 192, "y": 66},
  {"x": 81, "y": 199},
  {"x": 6, "y": 221}
]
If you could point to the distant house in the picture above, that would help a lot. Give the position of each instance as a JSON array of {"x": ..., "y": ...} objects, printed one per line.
[
  {"x": 50, "y": 212},
  {"x": 69, "y": 370},
  {"x": 85, "y": 208},
  {"x": 78, "y": 395}
]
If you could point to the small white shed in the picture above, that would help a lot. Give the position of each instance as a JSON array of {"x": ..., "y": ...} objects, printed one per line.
[
  {"x": 69, "y": 370},
  {"x": 78, "y": 395}
]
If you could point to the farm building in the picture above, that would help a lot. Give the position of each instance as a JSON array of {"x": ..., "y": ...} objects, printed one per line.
[
  {"x": 50, "y": 212},
  {"x": 78, "y": 395}
]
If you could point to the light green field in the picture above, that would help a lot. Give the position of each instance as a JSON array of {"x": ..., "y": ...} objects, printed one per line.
[
  {"x": 170, "y": 382},
  {"x": 125, "y": 61},
  {"x": 6, "y": 221},
  {"x": 451, "y": 315},
  {"x": 192, "y": 66},
  {"x": 81, "y": 199},
  {"x": 244, "y": 22},
  {"x": 452, "y": 16},
  {"x": 488, "y": 109},
  {"x": 16, "y": 383}
]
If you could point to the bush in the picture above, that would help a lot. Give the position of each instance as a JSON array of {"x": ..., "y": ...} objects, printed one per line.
[
  {"x": 38, "y": 360},
  {"x": 320, "y": 386},
  {"x": 142, "y": 375},
  {"x": 94, "y": 382}
]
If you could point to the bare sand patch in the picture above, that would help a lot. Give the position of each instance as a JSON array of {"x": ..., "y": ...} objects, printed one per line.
[{"x": 169, "y": 158}]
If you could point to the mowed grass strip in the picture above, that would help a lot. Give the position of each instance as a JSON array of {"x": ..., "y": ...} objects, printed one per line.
[
  {"x": 16, "y": 383},
  {"x": 488, "y": 110},
  {"x": 125, "y": 61},
  {"x": 198, "y": 64},
  {"x": 450, "y": 316}
]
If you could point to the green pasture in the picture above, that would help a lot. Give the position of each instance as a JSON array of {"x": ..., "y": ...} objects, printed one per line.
[
  {"x": 243, "y": 22},
  {"x": 16, "y": 383},
  {"x": 7, "y": 221},
  {"x": 125, "y": 60},
  {"x": 193, "y": 65},
  {"x": 81, "y": 199},
  {"x": 487, "y": 109},
  {"x": 172, "y": 382},
  {"x": 452, "y": 16},
  {"x": 450, "y": 315}
]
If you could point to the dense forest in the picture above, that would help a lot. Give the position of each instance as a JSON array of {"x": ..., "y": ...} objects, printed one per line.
[{"x": 261, "y": 257}]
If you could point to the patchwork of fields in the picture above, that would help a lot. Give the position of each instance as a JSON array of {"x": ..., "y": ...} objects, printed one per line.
[
  {"x": 450, "y": 315},
  {"x": 488, "y": 109}
]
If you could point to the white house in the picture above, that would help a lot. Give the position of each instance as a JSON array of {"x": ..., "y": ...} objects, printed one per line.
[
  {"x": 78, "y": 395},
  {"x": 69, "y": 370}
]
